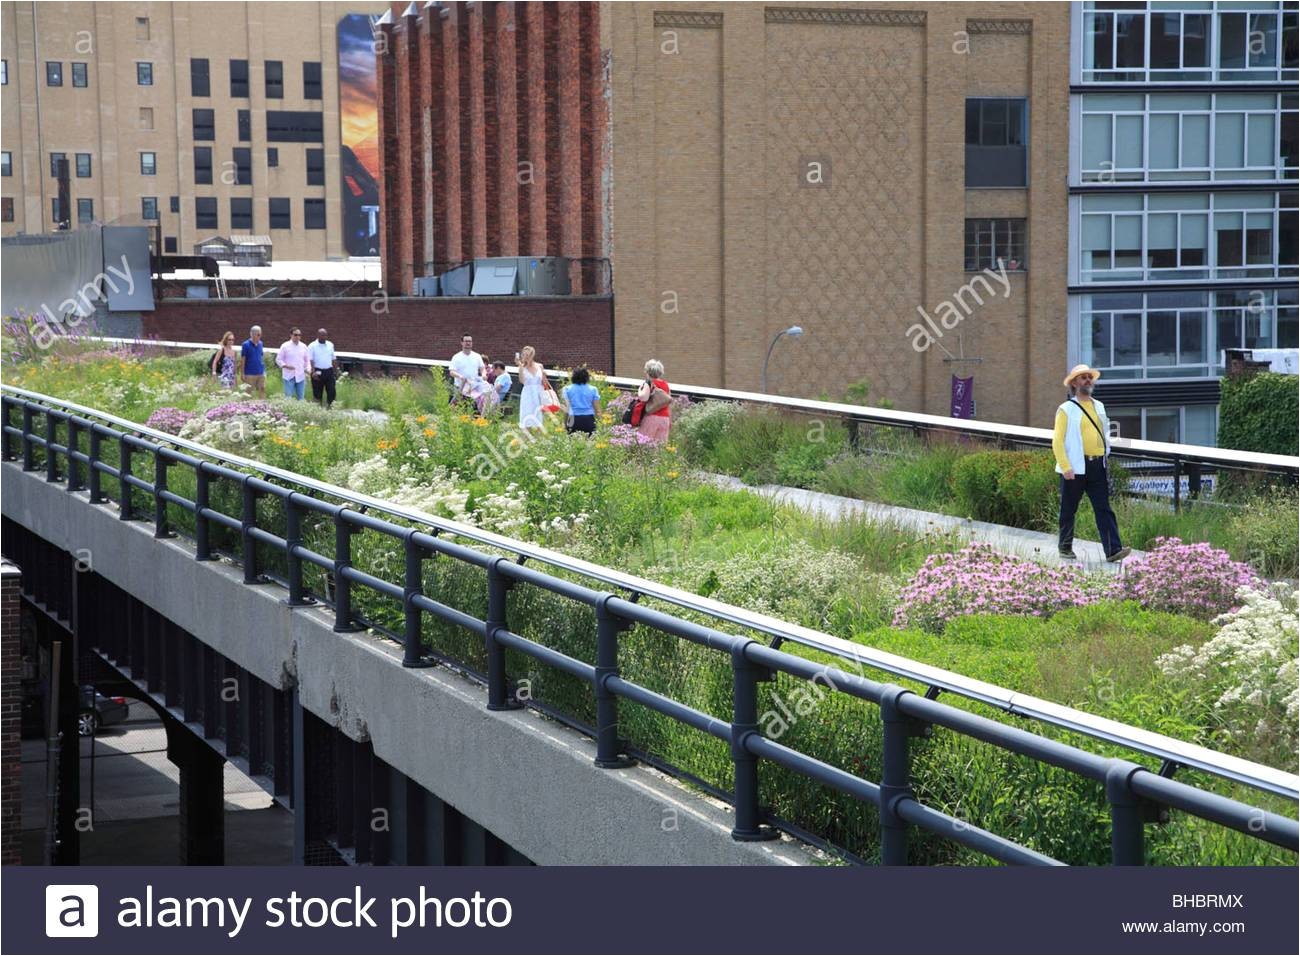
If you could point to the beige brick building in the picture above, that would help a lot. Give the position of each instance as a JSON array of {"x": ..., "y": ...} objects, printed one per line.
[
  {"x": 208, "y": 118},
  {"x": 835, "y": 167}
]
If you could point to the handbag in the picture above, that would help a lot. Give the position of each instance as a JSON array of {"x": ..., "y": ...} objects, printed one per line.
[{"x": 657, "y": 401}]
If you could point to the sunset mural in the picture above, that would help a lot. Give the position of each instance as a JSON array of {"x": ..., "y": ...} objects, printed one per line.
[{"x": 359, "y": 134}]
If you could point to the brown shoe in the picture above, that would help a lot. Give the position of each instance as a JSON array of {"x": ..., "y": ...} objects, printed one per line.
[{"x": 1119, "y": 555}]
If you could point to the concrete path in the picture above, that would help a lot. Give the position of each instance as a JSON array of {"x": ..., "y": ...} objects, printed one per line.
[{"x": 1035, "y": 545}]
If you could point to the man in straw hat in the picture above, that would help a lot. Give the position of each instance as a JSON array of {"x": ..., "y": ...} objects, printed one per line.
[{"x": 1081, "y": 444}]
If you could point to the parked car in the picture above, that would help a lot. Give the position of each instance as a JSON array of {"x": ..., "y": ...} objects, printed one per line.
[{"x": 99, "y": 711}]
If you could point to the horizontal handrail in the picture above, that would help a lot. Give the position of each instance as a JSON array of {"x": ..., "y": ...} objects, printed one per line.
[
  {"x": 1149, "y": 743},
  {"x": 862, "y": 414}
]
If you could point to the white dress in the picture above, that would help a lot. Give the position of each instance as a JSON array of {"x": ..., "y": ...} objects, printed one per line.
[{"x": 530, "y": 399}]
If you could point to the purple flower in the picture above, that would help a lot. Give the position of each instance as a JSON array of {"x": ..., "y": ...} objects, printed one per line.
[{"x": 168, "y": 419}]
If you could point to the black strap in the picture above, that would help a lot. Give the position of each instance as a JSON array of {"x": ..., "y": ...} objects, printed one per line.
[{"x": 1088, "y": 415}]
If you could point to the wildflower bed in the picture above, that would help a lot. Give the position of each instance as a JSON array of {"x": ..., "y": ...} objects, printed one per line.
[{"x": 1149, "y": 649}]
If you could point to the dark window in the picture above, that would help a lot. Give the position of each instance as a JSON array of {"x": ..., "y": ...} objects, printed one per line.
[
  {"x": 55, "y": 159},
  {"x": 148, "y": 164},
  {"x": 239, "y": 78},
  {"x": 243, "y": 120},
  {"x": 169, "y": 244},
  {"x": 56, "y": 211},
  {"x": 996, "y": 142},
  {"x": 7, "y": 209},
  {"x": 205, "y": 212},
  {"x": 272, "y": 157},
  {"x": 315, "y": 167},
  {"x": 243, "y": 157},
  {"x": 53, "y": 75},
  {"x": 144, "y": 74},
  {"x": 313, "y": 213},
  {"x": 203, "y": 164},
  {"x": 85, "y": 211},
  {"x": 241, "y": 213},
  {"x": 149, "y": 208},
  {"x": 988, "y": 240},
  {"x": 175, "y": 204},
  {"x": 80, "y": 75},
  {"x": 280, "y": 215},
  {"x": 274, "y": 80},
  {"x": 294, "y": 126},
  {"x": 205, "y": 125},
  {"x": 311, "y": 81},
  {"x": 84, "y": 170},
  {"x": 200, "y": 79},
  {"x": 4, "y": 72},
  {"x": 6, "y": 163}
]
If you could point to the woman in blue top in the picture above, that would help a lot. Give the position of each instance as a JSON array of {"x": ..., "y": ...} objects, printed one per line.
[{"x": 582, "y": 401}]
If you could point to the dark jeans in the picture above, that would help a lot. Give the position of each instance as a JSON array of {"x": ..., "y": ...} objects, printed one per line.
[
  {"x": 323, "y": 384},
  {"x": 1093, "y": 483},
  {"x": 583, "y": 423}
]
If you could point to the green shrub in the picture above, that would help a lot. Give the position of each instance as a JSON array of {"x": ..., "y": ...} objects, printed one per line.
[
  {"x": 1259, "y": 414},
  {"x": 1264, "y": 533},
  {"x": 1017, "y": 488},
  {"x": 700, "y": 427}
]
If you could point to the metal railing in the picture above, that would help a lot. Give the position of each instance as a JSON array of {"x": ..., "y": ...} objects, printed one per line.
[
  {"x": 1173, "y": 753},
  {"x": 1133, "y": 794}
]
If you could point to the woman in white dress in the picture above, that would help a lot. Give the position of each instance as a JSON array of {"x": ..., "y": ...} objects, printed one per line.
[{"x": 533, "y": 380}]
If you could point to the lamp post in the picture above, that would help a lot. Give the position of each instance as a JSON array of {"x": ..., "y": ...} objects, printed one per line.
[{"x": 794, "y": 332}]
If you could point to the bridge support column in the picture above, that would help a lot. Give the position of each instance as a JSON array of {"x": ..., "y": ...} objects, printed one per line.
[{"x": 203, "y": 799}]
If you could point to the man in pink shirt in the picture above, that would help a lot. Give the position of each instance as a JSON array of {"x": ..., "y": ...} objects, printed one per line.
[{"x": 292, "y": 359}]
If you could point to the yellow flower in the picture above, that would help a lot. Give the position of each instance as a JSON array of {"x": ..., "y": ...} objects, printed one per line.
[
  {"x": 671, "y": 447},
  {"x": 672, "y": 474},
  {"x": 430, "y": 432},
  {"x": 602, "y": 444},
  {"x": 481, "y": 422},
  {"x": 421, "y": 419},
  {"x": 463, "y": 418},
  {"x": 385, "y": 444}
]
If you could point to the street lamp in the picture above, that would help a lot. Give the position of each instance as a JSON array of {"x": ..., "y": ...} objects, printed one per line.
[{"x": 794, "y": 332}]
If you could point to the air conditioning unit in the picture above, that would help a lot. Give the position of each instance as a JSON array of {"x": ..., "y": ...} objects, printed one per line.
[
  {"x": 426, "y": 285},
  {"x": 520, "y": 275}
]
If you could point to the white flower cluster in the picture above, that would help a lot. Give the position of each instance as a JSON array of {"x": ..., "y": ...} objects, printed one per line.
[
  {"x": 1251, "y": 664},
  {"x": 437, "y": 494}
]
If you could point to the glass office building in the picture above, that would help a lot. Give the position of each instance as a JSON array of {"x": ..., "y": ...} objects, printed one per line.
[{"x": 1182, "y": 201}]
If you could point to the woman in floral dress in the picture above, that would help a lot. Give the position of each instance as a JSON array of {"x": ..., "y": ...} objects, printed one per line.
[{"x": 223, "y": 362}]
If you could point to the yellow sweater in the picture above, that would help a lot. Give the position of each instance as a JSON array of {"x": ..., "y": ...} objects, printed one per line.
[{"x": 1092, "y": 444}]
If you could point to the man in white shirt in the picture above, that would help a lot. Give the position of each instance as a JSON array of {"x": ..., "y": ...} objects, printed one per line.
[
  {"x": 320, "y": 355},
  {"x": 466, "y": 367},
  {"x": 292, "y": 359}
]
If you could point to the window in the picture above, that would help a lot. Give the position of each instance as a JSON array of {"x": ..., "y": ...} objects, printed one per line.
[
  {"x": 149, "y": 208},
  {"x": 239, "y": 78},
  {"x": 84, "y": 170},
  {"x": 1182, "y": 424},
  {"x": 996, "y": 138},
  {"x": 274, "y": 80},
  {"x": 85, "y": 211},
  {"x": 53, "y": 73},
  {"x": 205, "y": 125},
  {"x": 203, "y": 165},
  {"x": 169, "y": 244},
  {"x": 205, "y": 212},
  {"x": 289, "y": 126},
  {"x": 241, "y": 213},
  {"x": 313, "y": 213},
  {"x": 200, "y": 80},
  {"x": 311, "y": 88},
  {"x": 245, "y": 126},
  {"x": 56, "y": 213},
  {"x": 243, "y": 158},
  {"x": 280, "y": 216},
  {"x": 4, "y": 72},
  {"x": 146, "y": 117},
  {"x": 315, "y": 167},
  {"x": 144, "y": 74},
  {"x": 6, "y": 163},
  {"x": 142, "y": 28},
  {"x": 991, "y": 240},
  {"x": 148, "y": 164},
  {"x": 175, "y": 204},
  {"x": 7, "y": 209},
  {"x": 55, "y": 160},
  {"x": 80, "y": 75},
  {"x": 272, "y": 157}
]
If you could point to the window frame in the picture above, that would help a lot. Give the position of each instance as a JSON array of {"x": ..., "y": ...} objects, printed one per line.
[
  {"x": 312, "y": 86},
  {"x": 239, "y": 79},
  {"x": 53, "y": 73},
  {"x": 201, "y": 203},
  {"x": 149, "y": 168},
  {"x": 200, "y": 77},
  {"x": 310, "y": 204},
  {"x": 281, "y": 209},
  {"x": 143, "y": 73},
  {"x": 145, "y": 203},
  {"x": 273, "y": 72},
  {"x": 200, "y": 179},
  {"x": 1009, "y": 243},
  {"x": 245, "y": 213},
  {"x": 84, "y": 72},
  {"x": 90, "y": 165}
]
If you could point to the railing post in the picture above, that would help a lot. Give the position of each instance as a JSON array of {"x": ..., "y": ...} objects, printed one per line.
[
  {"x": 160, "y": 529},
  {"x": 413, "y": 586},
  {"x": 51, "y": 436},
  {"x": 1127, "y": 815},
  {"x": 342, "y": 586},
  {"x": 895, "y": 778},
  {"x": 608, "y": 627},
  {"x": 499, "y": 697},
  {"x": 202, "y": 549},
  {"x": 6, "y": 446},
  {"x": 248, "y": 521},
  {"x": 292, "y": 539},
  {"x": 93, "y": 475},
  {"x": 29, "y": 460},
  {"x": 745, "y": 676},
  {"x": 1178, "y": 485},
  {"x": 74, "y": 441},
  {"x": 124, "y": 472}
]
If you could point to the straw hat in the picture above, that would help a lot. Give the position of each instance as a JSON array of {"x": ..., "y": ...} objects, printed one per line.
[{"x": 1081, "y": 370}]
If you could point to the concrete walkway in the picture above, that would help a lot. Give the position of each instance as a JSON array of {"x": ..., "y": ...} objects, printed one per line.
[{"x": 1035, "y": 545}]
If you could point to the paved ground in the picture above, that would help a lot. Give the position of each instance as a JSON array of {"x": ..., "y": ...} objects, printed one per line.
[
  {"x": 1034, "y": 545},
  {"x": 133, "y": 791}
]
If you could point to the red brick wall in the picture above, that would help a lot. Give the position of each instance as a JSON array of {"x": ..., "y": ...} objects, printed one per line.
[
  {"x": 11, "y": 810},
  {"x": 566, "y": 331}
]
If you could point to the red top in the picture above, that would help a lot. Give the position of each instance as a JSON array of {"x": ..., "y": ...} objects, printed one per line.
[{"x": 660, "y": 383}]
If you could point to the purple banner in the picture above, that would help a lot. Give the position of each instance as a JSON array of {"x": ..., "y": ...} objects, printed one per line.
[{"x": 963, "y": 397}]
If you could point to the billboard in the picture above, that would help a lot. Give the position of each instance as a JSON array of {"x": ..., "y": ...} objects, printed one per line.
[{"x": 359, "y": 135}]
